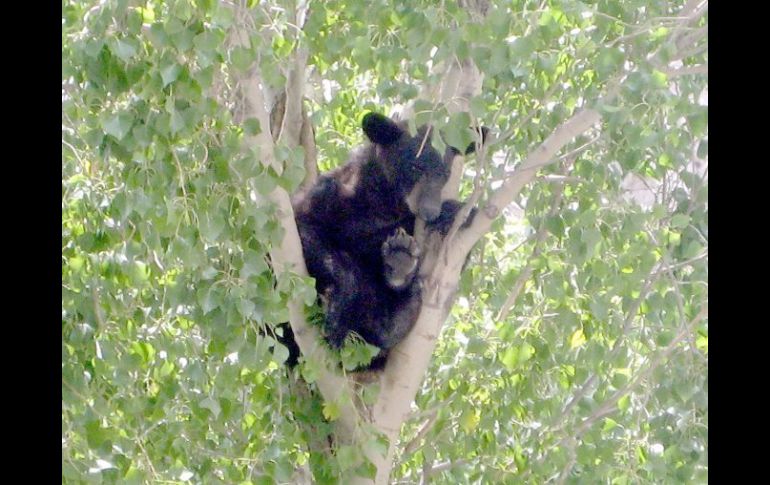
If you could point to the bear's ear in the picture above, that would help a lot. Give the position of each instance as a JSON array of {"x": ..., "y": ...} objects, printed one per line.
[{"x": 381, "y": 129}]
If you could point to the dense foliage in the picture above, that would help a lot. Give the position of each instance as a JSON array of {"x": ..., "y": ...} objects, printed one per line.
[{"x": 578, "y": 349}]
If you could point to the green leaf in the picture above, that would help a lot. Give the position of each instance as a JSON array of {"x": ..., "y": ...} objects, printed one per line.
[
  {"x": 140, "y": 273},
  {"x": 515, "y": 356},
  {"x": 177, "y": 122},
  {"x": 93, "y": 47},
  {"x": 212, "y": 405},
  {"x": 76, "y": 263},
  {"x": 510, "y": 357},
  {"x": 659, "y": 33},
  {"x": 609, "y": 61},
  {"x": 693, "y": 249},
  {"x": 577, "y": 339},
  {"x": 170, "y": 73},
  {"x": 659, "y": 79},
  {"x": 251, "y": 127},
  {"x": 207, "y": 299},
  {"x": 242, "y": 58},
  {"x": 118, "y": 125},
  {"x": 457, "y": 132},
  {"x": 609, "y": 424},
  {"x": 144, "y": 350},
  {"x": 347, "y": 457},
  {"x": 280, "y": 353},
  {"x": 124, "y": 50},
  {"x": 265, "y": 181},
  {"x": 469, "y": 420},
  {"x": 253, "y": 264},
  {"x": 331, "y": 411},
  {"x": 499, "y": 25},
  {"x": 212, "y": 226},
  {"x": 702, "y": 343},
  {"x": 357, "y": 353},
  {"x": 624, "y": 403},
  {"x": 679, "y": 221},
  {"x": 147, "y": 13},
  {"x": 555, "y": 225}
]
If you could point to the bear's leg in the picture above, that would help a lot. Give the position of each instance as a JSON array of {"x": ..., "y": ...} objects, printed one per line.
[
  {"x": 400, "y": 258},
  {"x": 403, "y": 318},
  {"x": 348, "y": 290}
]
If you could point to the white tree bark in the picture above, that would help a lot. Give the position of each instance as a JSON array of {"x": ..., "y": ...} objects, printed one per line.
[{"x": 287, "y": 257}]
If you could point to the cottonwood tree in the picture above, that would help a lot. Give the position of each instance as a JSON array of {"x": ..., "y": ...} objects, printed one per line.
[{"x": 574, "y": 347}]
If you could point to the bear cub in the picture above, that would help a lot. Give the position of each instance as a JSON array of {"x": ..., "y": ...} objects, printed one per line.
[{"x": 356, "y": 226}]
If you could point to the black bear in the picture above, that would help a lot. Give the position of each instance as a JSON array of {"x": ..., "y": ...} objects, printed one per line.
[{"x": 356, "y": 225}]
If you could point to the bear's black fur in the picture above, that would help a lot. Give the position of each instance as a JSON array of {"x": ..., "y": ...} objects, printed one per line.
[{"x": 356, "y": 225}]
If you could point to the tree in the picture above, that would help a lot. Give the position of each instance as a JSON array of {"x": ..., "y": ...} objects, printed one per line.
[{"x": 574, "y": 347}]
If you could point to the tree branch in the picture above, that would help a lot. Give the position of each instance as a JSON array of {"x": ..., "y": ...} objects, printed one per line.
[
  {"x": 409, "y": 360},
  {"x": 692, "y": 11},
  {"x": 295, "y": 89},
  {"x": 444, "y": 466},
  {"x": 287, "y": 257},
  {"x": 540, "y": 157},
  {"x": 688, "y": 40},
  {"x": 686, "y": 70},
  {"x": 412, "y": 446},
  {"x": 305, "y": 139}
]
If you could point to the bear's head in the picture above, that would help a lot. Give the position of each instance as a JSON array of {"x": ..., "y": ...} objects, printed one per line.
[{"x": 415, "y": 169}]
